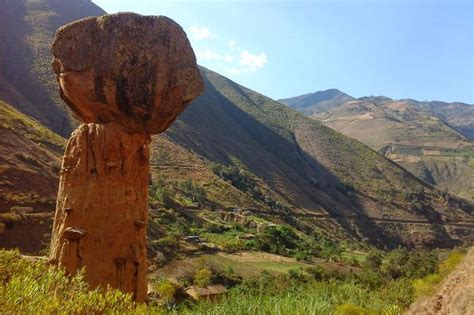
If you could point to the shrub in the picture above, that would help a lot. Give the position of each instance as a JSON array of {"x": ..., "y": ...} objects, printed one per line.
[
  {"x": 318, "y": 273},
  {"x": 227, "y": 277},
  {"x": 371, "y": 279},
  {"x": 193, "y": 192},
  {"x": 278, "y": 240},
  {"x": 166, "y": 291},
  {"x": 350, "y": 309},
  {"x": 428, "y": 284},
  {"x": 203, "y": 277},
  {"x": 245, "y": 182},
  {"x": 297, "y": 276},
  {"x": 453, "y": 259},
  {"x": 160, "y": 192}
]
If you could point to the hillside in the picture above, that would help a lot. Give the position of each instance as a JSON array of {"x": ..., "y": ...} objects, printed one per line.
[
  {"x": 317, "y": 102},
  {"x": 302, "y": 174},
  {"x": 321, "y": 177},
  {"x": 27, "y": 28},
  {"x": 458, "y": 115},
  {"x": 30, "y": 159},
  {"x": 429, "y": 139},
  {"x": 236, "y": 157}
]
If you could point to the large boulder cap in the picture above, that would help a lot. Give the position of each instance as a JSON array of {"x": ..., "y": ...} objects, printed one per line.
[{"x": 139, "y": 71}]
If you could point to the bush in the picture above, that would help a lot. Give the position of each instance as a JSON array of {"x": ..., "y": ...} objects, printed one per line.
[
  {"x": 203, "y": 277},
  {"x": 371, "y": 279},
  {"x": 166, "y": 291},
  {"x": 429, "y": 283},
  {"x": 318, "y": 273},
  {"x": 453, "y": 259},
  {"x": 160, "y": 192},
  {"x": 166, "y": 244},
  {"x": 193, "y": 192},
  {"x": 297, "y": 276},
  {"x": 245, "y": 182},
  {"x": 350, "y": 309},
  {"x": 279, "y": 240},
  {"x": 227, "y": 277}
]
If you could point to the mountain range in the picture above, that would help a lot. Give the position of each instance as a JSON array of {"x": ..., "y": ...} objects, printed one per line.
[
  {"x": 295, "y": 169},
  {"x": 433, "y": 140}
]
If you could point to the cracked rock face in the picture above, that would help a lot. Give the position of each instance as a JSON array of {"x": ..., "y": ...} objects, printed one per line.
[{"x": 125, "y": 76}]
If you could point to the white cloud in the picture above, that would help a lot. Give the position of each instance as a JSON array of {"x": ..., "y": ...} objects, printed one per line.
[
  {"x": 198, "y": 33},
  {"x": 235, "y": 61},
  {"x": 227, "y": 58},
  {"x": 234, "y": 70},
  {"x": 252, "y": 62},
  {"x": 211, "y": 55},
  {"x": 207, "y": 54}
]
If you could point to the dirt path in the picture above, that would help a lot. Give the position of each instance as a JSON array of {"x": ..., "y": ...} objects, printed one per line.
[{"x": 455, "y": 295}]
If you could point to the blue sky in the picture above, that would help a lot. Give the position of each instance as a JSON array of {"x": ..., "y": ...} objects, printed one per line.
[{"x": 417, "y": 49}]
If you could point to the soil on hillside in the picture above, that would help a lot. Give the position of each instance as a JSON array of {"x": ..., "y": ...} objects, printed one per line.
[{"x": 455, "y": 296}]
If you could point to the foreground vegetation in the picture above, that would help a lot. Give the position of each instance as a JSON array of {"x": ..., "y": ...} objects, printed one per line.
[{"x": 386, "y": 284}]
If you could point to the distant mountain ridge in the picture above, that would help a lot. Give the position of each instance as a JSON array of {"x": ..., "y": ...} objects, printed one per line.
[
  {"x": 431, "y": 139},
  {"x": 312, "y": 103}
]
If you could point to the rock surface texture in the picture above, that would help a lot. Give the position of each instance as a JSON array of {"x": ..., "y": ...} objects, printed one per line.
[{"x": 126, "y": 76}]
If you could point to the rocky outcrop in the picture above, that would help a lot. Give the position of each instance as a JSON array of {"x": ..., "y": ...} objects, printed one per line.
[
  {"x": 126, "y": 76},
  {"x": 137, "y": 70}
]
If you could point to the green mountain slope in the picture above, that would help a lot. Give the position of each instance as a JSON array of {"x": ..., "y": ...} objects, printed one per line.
[
  {"x": 319, "y": 174},
  {"x": 27, "y": 29}
]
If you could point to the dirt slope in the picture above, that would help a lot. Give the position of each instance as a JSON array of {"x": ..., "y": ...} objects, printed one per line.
[
  {"x": 30, "y": 158},
  {"x": 456, "y": 294}
]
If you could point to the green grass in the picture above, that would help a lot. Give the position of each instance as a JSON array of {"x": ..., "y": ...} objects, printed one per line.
[
  {"x": 281, "y": 267},
  {"x": 315, "y": 298},
  {"x": 357, "y": 256},
  {"x": 28, "y": 286},
  {"x": 227, "y": 240},
  {"x": 35, "y": 288},
  {"x": 252, "y": 268}
]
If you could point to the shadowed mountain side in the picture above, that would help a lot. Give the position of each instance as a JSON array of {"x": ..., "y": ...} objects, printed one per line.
[
  {"x": 315, "y": 169},
  {"x": 27, "y": 29}
]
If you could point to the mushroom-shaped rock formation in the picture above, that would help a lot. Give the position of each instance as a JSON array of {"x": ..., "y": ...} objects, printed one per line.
[{"x": 126, "y": 76}]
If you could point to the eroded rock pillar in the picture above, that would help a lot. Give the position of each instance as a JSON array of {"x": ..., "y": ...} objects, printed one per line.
[
  {"x": 125, "y": 76},
  {"x": 102, "y": 207}
]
